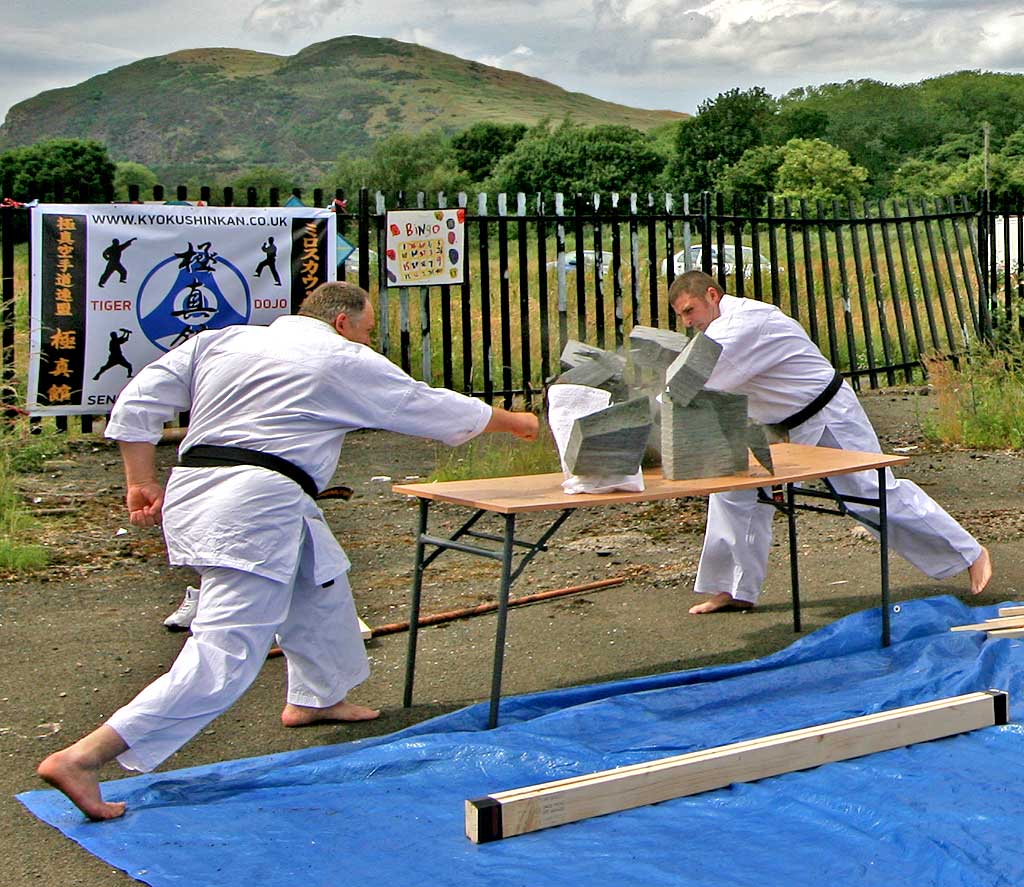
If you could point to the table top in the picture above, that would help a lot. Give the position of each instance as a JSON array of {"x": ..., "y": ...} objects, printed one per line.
[{"x": 543, "y": 492}]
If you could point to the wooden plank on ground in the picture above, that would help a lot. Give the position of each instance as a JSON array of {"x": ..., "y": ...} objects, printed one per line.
[
  {"x": 1007, "y": 633},
  {"x": 989, "y": 624},
  {"x": 1011, "y": 611},
  {"x": 518, "y": 811}
]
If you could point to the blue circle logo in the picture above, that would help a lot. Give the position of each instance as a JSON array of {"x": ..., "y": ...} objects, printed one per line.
[{"x": 188, "y": 292}]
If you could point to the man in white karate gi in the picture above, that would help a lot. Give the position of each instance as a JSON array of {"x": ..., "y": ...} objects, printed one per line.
[
  {"x": 269, "y": 410},
  {"x": 769, "y": 357}
]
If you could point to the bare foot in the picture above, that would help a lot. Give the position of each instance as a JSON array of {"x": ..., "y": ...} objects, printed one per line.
[
  {"x": 301, "y": 715},
  {"x": 65, "y": 772},
  {"x": 723, "y": 601},
  {"x": 980, "y": 572}
]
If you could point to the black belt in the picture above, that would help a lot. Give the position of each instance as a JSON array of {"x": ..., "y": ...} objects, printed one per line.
[
  {"x": 815, "y": 406},
  {"x": 210, "y": 456}
]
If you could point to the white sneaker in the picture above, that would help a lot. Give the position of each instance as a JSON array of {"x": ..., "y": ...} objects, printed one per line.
[{"x": 181, "y": 619}]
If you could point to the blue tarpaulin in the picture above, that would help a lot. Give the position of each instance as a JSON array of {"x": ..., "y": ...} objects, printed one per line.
[{"x": 391, "y": 809}]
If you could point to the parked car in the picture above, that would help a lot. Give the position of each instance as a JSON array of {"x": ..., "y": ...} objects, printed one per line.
[
  {"x": 589, "y": 261},
  {"x": 750, "y": 260}
]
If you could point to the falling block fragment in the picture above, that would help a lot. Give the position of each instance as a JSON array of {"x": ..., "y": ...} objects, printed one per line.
[
  {"x": 654, "y": 348},
  {"x": 586, "y": 365},
  {"x": 757, "y": 441},
  {"x": 687, "y": 375},
  {"x": 611, "y": 441},
  {"x": 576, "y": 353},
  {"x": 518, "y": 811}
]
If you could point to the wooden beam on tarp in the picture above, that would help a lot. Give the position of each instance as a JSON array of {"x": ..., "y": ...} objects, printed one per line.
[{"x": 518, "y": 811}]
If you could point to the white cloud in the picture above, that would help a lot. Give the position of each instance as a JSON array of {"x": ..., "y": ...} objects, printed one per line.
[
  {"x": 649, "y": 53},
  {"x": 287, "y": 16}
]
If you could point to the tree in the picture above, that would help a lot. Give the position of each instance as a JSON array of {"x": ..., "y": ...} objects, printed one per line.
[
  {"x": 1005, "y": 177},
  {"x": 262, "y": 178},
  {"x": 80, "y": 169},
  {"x": 798, "y": 121},
  {"x": 753, "y": 176},
  {"x": 478, "y": 149},
  {"x": 717, "y": 137},
  {"x": 815, "y": 170},
  {"x": 877, "y": 124},
  {"x": 576, "y": 159},
  {"x": 402, "y": 162},
  {"x": 918, "y": 179},
  {"x": 129, "y": 173}
]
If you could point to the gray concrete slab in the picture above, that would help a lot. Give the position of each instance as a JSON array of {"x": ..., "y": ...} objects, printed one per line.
[
  {"x": 611, "y": 441},
  {"x": 655, "y": 349},
  {"x": 690, "y": 371}
]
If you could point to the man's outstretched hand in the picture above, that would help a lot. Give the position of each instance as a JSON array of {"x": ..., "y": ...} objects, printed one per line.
[{"x": 524, "y": 425}]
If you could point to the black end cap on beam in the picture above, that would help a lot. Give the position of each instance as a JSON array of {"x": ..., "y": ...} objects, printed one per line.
[
  {"x": 1001, "y": 706},
  {"x": 488, "y": 819}
]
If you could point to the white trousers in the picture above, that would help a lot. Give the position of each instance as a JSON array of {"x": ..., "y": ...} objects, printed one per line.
[
  {"x": 239, "y": 614},
  {"x": 738, "y": 535}
]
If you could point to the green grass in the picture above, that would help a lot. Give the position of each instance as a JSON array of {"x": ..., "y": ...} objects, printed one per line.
[
  {"x": 981, "y": 402},
  {"x": 497, "y": 455},
  {"x": 20, "y": 452}
]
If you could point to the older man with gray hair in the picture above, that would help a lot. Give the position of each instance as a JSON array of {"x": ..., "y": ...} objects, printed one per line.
[{"x": 269, "y": 411}]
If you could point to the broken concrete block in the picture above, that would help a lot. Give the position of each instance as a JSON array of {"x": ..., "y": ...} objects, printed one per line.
[
  {"x": 706, "y": 438},
  {"x": 654, "y": 348},
  {"x": 594, "y": 367},
  {"x": 690, "y": 371},
  {"x": 731, "y": 410},
  {"x": 692, "y": 442},
  {"x": 758, "y": 442},
  {"x": 611, "y": 441},
  {"x": 576, "y": 353}
]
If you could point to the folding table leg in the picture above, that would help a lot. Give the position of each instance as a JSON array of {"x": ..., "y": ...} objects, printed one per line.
[
  {"x": 499, "y": 634},
  {"x": 414, "y": 605},
  {"x": 794, "y": 565},
  {"x": 883, "y": 540}
]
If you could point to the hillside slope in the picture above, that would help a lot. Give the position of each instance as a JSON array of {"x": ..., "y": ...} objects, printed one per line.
[{"x": 223, "y": 109}]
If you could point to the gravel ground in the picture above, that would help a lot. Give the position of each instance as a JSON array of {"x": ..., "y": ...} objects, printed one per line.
[{"x": 81, "y": 637}]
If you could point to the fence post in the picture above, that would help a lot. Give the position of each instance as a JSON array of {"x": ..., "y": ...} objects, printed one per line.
[
  {"x": 563, "y": 302},
  {"x": 705, "y": 232},
  {"x": 7, "y": 388},
  {"x": 384, "y": 324},
  {"x": 985, "y": 225}
]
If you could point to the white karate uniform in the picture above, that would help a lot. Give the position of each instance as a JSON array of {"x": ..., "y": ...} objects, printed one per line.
[
  {"x": 768, "y": 356},
  {"x": 268, "y": 561}
]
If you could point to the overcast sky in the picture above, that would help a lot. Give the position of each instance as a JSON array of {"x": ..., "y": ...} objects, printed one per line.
[{"x": 646, "y": 53}]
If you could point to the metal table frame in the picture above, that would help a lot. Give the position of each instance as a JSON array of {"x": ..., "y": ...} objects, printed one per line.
[{"x": 784, "y": 496}]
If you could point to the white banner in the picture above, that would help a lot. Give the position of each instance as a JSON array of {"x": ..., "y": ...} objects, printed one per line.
[{"x": 115, "y": 286}]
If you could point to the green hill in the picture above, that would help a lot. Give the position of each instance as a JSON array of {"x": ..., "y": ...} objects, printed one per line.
[{"x": 220, "y": 110}]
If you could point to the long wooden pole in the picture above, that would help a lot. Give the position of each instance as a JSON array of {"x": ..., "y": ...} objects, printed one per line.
[{"x": 518, "y": 811}]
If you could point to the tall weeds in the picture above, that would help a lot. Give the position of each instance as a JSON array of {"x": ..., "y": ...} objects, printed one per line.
[
  {"x": 20, "y": 452},
  {"x": 980, "y": 402}
]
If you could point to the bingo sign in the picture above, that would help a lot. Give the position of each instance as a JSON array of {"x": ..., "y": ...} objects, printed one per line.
[{"x": 425, "y": 247}]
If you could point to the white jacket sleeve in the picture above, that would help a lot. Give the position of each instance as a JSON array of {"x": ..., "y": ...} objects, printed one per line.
[{"x": 153, "y": 397}]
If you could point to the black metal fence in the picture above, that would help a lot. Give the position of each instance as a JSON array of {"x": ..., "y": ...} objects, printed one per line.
[{"x": 877, "y": 285}]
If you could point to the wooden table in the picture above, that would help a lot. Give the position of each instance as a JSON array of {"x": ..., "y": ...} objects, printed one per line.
[{"x": 509, "y": 496}]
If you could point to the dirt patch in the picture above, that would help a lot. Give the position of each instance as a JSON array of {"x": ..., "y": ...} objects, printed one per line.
[{"x": 83, "y": 636}]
